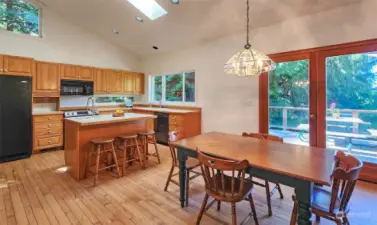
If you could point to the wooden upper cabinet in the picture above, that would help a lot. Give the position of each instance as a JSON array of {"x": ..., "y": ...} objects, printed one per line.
[
  {"x": 139, "y": 83},
  {"x": 84, "y": 72},
  {"x": 100, "y": 81},
  {"x": 128, "y": 83},
  {"x": 68, "y": 72},
  {"x": 47, "y": 77},
  {"x": 114, "y": 81},
  {"x": 18, "y": 66}
]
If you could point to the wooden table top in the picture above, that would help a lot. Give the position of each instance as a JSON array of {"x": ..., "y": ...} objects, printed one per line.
[{"x": 306, "y": 163}]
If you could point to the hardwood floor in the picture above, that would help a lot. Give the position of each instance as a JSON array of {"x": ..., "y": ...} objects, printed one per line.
[{"x": 38, "y": 191}]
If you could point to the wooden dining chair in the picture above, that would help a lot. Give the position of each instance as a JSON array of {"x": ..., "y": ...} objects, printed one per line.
[
  {"x": 266, "y": 184},
  {"x": 225, "y": 182},
  {"x": 191, "y": 165},
  {"x": 334, "y": 204}
]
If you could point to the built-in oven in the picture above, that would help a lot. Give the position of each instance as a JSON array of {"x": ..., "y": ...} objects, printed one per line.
[{"x": 76, "y": 87}]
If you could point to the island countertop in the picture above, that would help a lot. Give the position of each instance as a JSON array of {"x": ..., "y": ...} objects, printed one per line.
[{"x": 108, "y": 119}]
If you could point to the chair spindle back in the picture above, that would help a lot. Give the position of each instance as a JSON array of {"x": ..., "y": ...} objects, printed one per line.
[
  {"x": 263, "y": 136},
  {"x": 345, "y": 174},
  {"x": 217, "y": 174},
  {"x": 173, "y": 150}
]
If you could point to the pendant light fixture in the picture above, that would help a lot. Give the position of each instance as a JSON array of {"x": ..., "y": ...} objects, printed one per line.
[{"x": 248, "y": 62}]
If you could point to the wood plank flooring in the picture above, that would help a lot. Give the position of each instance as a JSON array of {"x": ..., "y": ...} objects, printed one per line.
[{"x": 39, "y": 191}]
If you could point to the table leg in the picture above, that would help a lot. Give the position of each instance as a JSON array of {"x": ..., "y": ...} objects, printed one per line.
[
  {"x": 182, "y": 157},
  {"x": 304, "y": 198}
]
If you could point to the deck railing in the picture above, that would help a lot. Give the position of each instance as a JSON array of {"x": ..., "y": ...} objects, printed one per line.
[{"x": 355, "y": 115}]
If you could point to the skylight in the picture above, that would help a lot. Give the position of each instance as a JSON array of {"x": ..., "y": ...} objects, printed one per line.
[{"x": 149, "y": 7}]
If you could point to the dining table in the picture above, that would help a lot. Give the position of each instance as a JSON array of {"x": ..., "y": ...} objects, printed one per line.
[{"x": 299, "y": 167}]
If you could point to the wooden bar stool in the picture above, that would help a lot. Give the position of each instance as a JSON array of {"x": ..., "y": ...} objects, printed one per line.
[
  {"x": 100, "y": 146},
  {"x": 129, "y": 147},
  {"x": 148, "y": 137}
]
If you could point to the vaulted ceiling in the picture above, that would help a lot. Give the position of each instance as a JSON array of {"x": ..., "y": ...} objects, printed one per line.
[{"x": 189, "y": 23}]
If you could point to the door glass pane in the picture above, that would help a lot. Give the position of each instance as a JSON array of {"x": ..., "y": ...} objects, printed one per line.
[
  {"x": 289, "y": 102},
  {"x": 174, "y": 88},
  {"x": 351, "y": 121}
]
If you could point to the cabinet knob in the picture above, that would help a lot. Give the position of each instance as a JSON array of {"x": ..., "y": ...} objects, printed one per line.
[
  {"x": 49, "y": 132},
  {"x": 5, "y": 70},
  {"x": 49, "y": 125},
  {"x": 49, "y": 142},
  {"x": 49, "y": 118},
  {"x": 1, "y": 70}
]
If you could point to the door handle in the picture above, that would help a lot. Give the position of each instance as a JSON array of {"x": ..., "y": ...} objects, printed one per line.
[{"x": 312, "y": 116}]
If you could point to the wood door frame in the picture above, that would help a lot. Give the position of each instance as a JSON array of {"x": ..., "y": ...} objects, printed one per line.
[
  {"x": 264, "y": 87},
  {"x": 317, "y": 96}
]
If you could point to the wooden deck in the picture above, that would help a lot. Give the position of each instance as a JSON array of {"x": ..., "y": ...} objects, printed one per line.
[{"x": 39, "y": 191}]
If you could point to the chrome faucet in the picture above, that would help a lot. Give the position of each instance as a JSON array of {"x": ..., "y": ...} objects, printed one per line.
[{"x": 92, "y": 108}]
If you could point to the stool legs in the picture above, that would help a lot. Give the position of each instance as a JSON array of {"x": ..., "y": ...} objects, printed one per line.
[
  {"x": 98, "y": 154},
  {"x": 142, "y": 161},
  {"x": 155, "y": 147}
]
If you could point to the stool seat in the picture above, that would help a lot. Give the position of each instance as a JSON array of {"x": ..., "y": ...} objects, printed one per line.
[
  {"x": 103, "y": 140},
  {"x": 146, "y": 133},
  {"x": 127, "y": 136}
]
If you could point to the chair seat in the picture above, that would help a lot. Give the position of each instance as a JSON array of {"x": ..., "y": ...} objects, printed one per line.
[
  {"x": 248, "y": 186},
  {"x": 192, "y": 163},
  {"x": 102, "y": 140},
  {"x": 127, "y": 136},
  {"x": 322, "y": 200},
  {"x": 146, "y": 133}
]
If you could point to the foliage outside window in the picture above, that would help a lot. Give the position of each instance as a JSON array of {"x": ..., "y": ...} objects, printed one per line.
[
  {"x": 20, "y": 16},
  {"x": 175, "y": 88},
  {"x": 111, "y": 99}
]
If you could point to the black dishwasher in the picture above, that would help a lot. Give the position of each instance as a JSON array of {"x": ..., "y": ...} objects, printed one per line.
[{"x": 161, "y": 128}]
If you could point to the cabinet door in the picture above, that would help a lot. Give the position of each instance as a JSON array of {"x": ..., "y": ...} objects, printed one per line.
[
  {"x": 128, "y": 83},
  {"x": 99, "y": 81},
  {"x": 1, "y": 64},
  {"x": 47, "y": 77},
  {"x": 68, "y": 72},
  {"x": 84, "y": 72},
  {"x": 118, "y": 85},
  {"x": 19, "y": 66},
  {"x": 139, "y": 83}
]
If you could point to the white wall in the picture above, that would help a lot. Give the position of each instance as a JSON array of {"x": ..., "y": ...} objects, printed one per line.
[
  {"x": 230, "y": 104},
  {"x": 65, "y": 42}
]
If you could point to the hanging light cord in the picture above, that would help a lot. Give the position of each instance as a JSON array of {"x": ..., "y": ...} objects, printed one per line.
[{"x": 247, "y": 46}]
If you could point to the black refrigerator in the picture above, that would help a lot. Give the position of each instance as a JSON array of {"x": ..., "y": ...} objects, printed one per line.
[{"x": 15, "y": 117}]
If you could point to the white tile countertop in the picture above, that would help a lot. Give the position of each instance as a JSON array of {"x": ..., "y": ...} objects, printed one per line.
[{"x": 108, "y": 119}]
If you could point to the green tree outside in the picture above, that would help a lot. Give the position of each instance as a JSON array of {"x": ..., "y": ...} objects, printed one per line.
[{"x": 20, "y": 17}]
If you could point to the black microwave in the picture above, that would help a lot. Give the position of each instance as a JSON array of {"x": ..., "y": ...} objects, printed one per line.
[{"x": 76, "y": 87}]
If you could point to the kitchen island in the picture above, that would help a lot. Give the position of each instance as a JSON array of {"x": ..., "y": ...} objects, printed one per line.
[{"x": 81, "y": 130}]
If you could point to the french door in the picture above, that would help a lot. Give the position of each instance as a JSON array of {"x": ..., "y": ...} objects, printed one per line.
[{"x": 325, "y": 97}]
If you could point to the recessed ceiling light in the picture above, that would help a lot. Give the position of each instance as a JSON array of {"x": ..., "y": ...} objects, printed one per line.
[
  {"x": 115, "y": 31},
  {"x": 138, "y": 18},
  {"x": 175, "y": 2},
  {"x": 149, "y": 7},
  {"x": 155, "y": 47}
]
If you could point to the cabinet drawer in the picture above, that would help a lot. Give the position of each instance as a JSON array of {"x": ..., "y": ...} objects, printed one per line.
[
  {"x": 176, "y": 119},
  {"x": 39, "y": 119},
  {"x": 176, "y": 128},
  {"x": 49, "y": 132},
  {"x": 49, "y": 141},
  {"x": 48, "y": 125}
]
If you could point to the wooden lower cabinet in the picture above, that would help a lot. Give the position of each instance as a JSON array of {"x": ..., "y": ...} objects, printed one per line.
[
  {"x": 47, "y": 132},
  {"x": 185, "y": 124}
]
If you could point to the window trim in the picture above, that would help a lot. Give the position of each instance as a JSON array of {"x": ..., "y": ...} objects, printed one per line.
[
  {"x": 40, "y": 22},
  {"x": 163, "y": 94}
]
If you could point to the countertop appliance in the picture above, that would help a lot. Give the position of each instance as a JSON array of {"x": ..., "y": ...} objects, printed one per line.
[
  {"x": 76, "y": 87},
  {"x": 80, "y": 113},
  {"x": 15, "y": 117},
  {"x": 162, "y": 128},
  {"x": 128, "y": 103}
]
